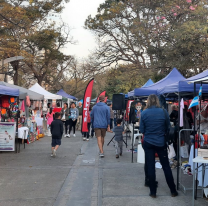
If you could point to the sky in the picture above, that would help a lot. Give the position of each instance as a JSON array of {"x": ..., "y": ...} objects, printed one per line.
[{"x": 75, "y": 14}]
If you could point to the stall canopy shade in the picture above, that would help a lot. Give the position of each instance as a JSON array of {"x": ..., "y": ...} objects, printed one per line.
[
  {"x": 47, "y": 95},
  {"x": 64, "y": 94},
  {"x": 23, "y": 92},
  {"x": 148, "y": 83},
  {"x": 172, "y": 77},
  {"x": 4, "y": 90},
  {"x": 186, "y": 86}
]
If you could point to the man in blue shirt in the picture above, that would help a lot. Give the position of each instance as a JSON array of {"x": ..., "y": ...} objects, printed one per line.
[{"x": 100, "y": 118}]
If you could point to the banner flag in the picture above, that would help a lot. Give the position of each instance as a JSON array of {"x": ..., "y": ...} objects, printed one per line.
[
  {"x": 102, "y": 93},
  {"x": 200, "y": 92},
  {"x": 128, "y": 106},
  {"x": 106, "y": 98},
  {"x": 194, "y": 102},
  {"x": 86, "y": 105}
]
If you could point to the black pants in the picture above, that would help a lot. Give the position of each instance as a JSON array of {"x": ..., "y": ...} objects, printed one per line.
[
  {"x": 111, "y": 123},
  {"x": 66, "y": 124},
  {"x": 150, "y": 151},
  {"x": 72, "y": 124},
  {"x": 145, "y": 168},
  {"x": 87, "y": 134}
]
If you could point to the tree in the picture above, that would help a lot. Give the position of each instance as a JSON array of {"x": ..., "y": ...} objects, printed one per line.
[
  {"x": 27, "y": 31},
  {"x": 152, "y": 34}
]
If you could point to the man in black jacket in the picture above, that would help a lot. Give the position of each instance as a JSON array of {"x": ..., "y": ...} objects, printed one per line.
[{"x": 57, "y": 132}]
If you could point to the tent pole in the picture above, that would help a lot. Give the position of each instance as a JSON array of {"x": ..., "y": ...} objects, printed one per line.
[{"x": 178, "y": 143}]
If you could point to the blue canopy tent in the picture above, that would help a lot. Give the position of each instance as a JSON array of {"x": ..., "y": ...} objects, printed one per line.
[
  {"x": 9, "y": 91},
  {"x": 172, "y": 77},
  {"x": 148, "y": 83},
  {"x": 64, "y": 94},
  {"x": 183, "y": 87}
]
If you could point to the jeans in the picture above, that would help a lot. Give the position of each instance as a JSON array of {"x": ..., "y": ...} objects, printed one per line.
[
  {"x": 150, "y": 151},
  {"x": 119, "y": 146}
]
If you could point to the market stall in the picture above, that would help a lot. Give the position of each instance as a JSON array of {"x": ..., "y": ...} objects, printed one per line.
[
  {"x": 9, "y": 109},
  {"x": 28, "y": 101}
]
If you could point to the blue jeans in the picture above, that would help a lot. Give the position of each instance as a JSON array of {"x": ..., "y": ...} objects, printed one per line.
[{"x": 150, "y": 151}]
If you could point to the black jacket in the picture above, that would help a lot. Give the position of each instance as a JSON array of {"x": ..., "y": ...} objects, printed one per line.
[{"x": 57, "y": 129}]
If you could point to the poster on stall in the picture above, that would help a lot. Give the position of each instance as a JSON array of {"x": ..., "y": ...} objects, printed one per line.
[{"x": 7, "y": 136}]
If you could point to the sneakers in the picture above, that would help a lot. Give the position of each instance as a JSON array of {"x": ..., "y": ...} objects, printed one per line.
[
  {"x": 101, "y": 155},
  {"x": 87, "y": 139},
  {"x": 121, "y": 154},
  {"x": 51, "y": 155},
  {"x": 117, "y": 156},
  {"x": 65, "y": 135},
  {"x": 74, "y": 135},
  {"x": 54, "y": 152},
  {"x": 84, "y": 139}
]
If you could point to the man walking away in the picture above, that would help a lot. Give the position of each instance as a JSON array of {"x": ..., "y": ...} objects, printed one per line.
[
  {"x": 100, "y": 118},
  {"x": 57, "y": 132}
]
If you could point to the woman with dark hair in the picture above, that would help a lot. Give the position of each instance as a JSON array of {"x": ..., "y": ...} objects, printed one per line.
[
  {"x": 65, "y": 117},
  {"x": 74, "y": 114},
  {"x": 153, "y": 125}
]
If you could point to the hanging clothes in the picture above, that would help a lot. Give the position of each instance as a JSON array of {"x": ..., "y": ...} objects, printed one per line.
[
  {"x": 23, "y": 106},
  {"x": 181, "y": 112}
]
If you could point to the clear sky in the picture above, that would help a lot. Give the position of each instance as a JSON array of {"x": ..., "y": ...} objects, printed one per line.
[{"x": 75, "y": 14}]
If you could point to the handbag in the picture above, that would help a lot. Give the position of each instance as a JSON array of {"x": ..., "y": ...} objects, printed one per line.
[{"x": 170, "y": 131}]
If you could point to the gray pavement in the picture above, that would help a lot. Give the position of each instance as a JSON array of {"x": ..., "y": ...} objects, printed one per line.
[{"x": 78, "y": 177}]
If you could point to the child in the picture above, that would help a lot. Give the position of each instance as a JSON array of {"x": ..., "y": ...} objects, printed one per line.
[
  {"x": 57, "y": 132},
  {"x": 119, "y": 131},
  {"x": 49, "y": 118}
]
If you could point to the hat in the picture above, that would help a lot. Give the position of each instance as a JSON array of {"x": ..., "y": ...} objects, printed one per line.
[{"x": 101, "y": 98}]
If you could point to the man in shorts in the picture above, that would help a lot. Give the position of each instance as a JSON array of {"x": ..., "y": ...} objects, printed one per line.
[{"x": 100, "y": 118}]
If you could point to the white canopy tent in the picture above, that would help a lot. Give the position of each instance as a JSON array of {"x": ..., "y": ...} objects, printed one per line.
[
  {"x": 47, "y": 95},
  {"x": 204, "y": 80}
]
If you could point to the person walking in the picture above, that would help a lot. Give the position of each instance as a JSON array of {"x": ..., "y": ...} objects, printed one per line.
[
  {"x": 87, "y": 134},
  {"x": 49, "y": 118},
  {"x": 111, "y": 116},
  {"x": 79, "y": 125},
  {"x": 57, "y": 132},
  {"x": 65, "y": 117},
  {"x": 100, "y": 118},
  {"x": 119, "y": 131},
  {"x": 153, "y": 123},
  {"x": 74, "y": 114}
]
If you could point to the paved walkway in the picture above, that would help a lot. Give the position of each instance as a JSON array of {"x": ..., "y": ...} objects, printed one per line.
[{"x": 79, "y": 177}]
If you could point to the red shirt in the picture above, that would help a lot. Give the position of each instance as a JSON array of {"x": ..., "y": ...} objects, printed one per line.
[{"x": 57, "y": 110}]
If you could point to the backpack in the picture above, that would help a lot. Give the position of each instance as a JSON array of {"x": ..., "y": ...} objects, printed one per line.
[{"x": 170, "y": 131}]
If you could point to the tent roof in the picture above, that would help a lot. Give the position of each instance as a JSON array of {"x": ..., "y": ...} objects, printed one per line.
[
  {"x": 37, "y": 88},
  {"x": 172, "y": 77},
  {"x": 4, "y": 90},
  {"x": 186, "y": 85},
  {"x": 64, "y": 94},
  {"x": 148, "y": 83},
  {"x": 23, "y": 92}
]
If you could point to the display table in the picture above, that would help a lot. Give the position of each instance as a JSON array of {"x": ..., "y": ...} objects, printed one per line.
[
  {"x": 202, "y": 163},
  {"x": 22, "y": 136},
  {"x": 23, "y": 132}
]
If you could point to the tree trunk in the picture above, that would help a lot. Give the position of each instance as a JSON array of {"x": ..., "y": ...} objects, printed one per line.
[{"x": 15, "y": 66}]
